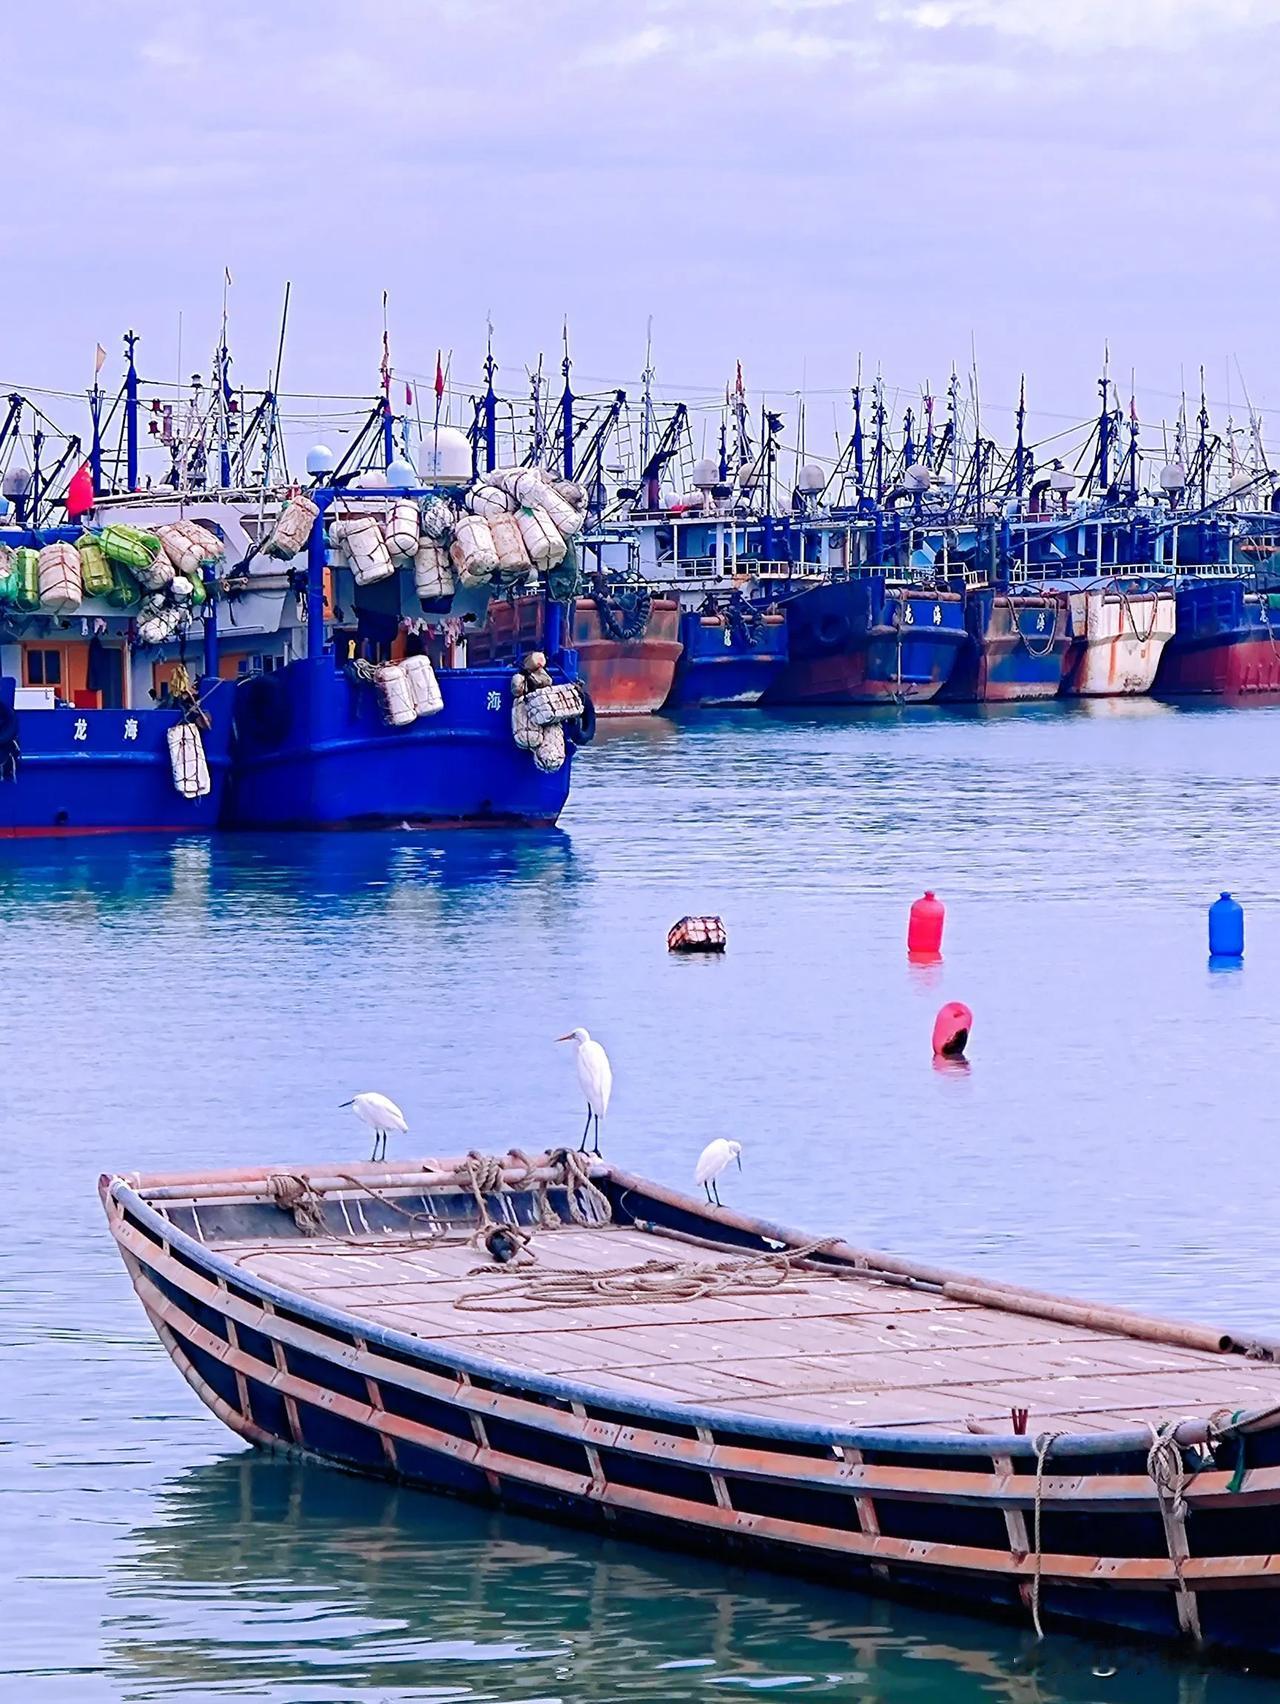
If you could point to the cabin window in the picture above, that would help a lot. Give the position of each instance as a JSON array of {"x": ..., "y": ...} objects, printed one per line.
[{"x": 44, "y": 668}]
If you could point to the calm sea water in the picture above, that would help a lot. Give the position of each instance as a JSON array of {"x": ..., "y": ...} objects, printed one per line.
[{"x": 1116, "y": 1135}]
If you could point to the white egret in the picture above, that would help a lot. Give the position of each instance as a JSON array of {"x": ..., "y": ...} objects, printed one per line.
[
  {"x": 716, "y": 1157},
  {"x": 381, "y": 1115},
  {"x": 596, "y": 1077}
]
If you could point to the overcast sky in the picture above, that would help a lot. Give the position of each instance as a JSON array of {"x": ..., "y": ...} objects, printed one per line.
[{"x": 791, "y": 182}]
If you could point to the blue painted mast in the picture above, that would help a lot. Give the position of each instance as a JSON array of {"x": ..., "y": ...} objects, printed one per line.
[
  {"x": 858, "y": 468},
  {"x": 877, "y": 416},
  {"x": 490, "y": 407},
  {"x": 316, "y": 559},
  {"x": 131, "y": 412},
  {"x": 1019, "y": 452},
  {"x": 566, "y": 410},
  {"x": 1104, "y": 433},
  {"x": 95, "y": 442},
  {"x": 388, "y": 418}
]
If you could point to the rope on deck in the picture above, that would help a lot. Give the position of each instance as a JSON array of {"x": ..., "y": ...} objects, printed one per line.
[{"x": 652, "y": 1281}]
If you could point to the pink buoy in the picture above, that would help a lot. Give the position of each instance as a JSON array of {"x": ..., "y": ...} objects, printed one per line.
[
  {"x": 924, "y": 927},
  {"x": 951, "y": 1030}
]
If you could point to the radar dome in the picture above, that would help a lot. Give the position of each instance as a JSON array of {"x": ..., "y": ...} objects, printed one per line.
[
  {"x": 16, "y": 481},
  {"x": 918, "y": 477},
  {"x": 444, "y": 457},
  {"x": 372, "y": 479},
  {"x": 321, "y": 459},
  {"x": 400, "y": 473},
  {"x": 705, "y": 474},
  {"x": 1173, "y": 477},
  {"x": 811, "y": 479}
]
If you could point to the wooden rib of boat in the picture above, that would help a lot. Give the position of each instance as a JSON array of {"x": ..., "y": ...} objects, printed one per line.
[{"x": 568, "y": 1340}]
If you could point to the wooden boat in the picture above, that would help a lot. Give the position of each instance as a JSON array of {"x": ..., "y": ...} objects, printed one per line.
[{"x": 561, "y": 1337}]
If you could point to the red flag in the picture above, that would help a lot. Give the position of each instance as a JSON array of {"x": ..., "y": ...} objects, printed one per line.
[
  {"x": 80, "y": 497},
  {"x": 408, "y": 395},
  {"x": 439, "y": 377},
  {"x": 738, "y": 387}
]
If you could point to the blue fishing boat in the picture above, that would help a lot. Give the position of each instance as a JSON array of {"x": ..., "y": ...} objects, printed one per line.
[
  {"x": 338, "y": 739},
  {"x": 733, "y": 652},
  {"x": 558, "y": 1336},
  {"x": 313, "y": 750},
  {"x": 877, "y": 637},
  {"x": 104, "y": 729}
]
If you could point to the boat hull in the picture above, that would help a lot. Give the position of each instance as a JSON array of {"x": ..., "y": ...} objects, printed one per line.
[
  {"x": 1226, "y": 643},
  {"x": 725, "y": 664},
  {"x": 312, "y": 752},
  {"x": 1015, "y": 649},
  {"x": 860, "y": 642},
  {"x": 1120, "y": 634},
  {"x": 950, "y": 1517},
  {"x": 94, "y": 772},
  {"x": 625, "y": 677}
]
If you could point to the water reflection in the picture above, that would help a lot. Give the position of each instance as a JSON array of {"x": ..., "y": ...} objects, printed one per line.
[
  {"x": 254, "y": 1574},
  {"x": 310, "y": 872}
]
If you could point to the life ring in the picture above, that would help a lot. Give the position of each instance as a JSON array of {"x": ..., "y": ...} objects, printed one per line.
[
  {"x": 581, "y": 730},
  {"x": 833, "y": 631},
  {"x": 263, "y": 714}
]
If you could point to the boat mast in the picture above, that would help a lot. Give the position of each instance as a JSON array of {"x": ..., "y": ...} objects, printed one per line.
[
  {"x": 223, "y": 393},
  {"x": 858, "y": 470},
  {"x": 1019, "y": 451},
  {"x": 646, "y": 408},
  {"x": 490, "y": 404},
  {"x": 1133, "y": 442},
  {"x": 131, "y": 411},
  {"x": 566, "y": 409},
  {"x": 95, "y": 416},
  {"x": 1202, "y": 421},
  {"x": 388, "y": 419}
]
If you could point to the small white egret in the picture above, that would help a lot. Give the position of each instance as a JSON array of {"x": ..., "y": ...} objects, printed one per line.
[
  {"x": 596, "y": 1077},
  {"x": 381, "y": 1115},
  {"x": 716, "y": 1157}
]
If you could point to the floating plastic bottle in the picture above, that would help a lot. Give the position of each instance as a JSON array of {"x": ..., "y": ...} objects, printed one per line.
[
  {"x": 924, "y": 929},
  {"x": 1226, "y": 928}
]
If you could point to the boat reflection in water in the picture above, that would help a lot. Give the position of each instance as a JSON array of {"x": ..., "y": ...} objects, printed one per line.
[{"x": 267, "y": 1578}]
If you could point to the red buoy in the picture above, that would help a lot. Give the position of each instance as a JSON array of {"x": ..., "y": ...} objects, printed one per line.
[
  {"x": 924, "y": 930},
  {"x": 80, "y": 493},
  {"x": 951, "y": 1030}
]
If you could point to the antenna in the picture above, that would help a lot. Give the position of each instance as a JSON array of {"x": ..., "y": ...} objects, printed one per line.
[{"x": 647, "y": 377}]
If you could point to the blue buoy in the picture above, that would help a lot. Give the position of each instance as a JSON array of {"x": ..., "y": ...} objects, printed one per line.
[{"x": 1226, "y": 928}]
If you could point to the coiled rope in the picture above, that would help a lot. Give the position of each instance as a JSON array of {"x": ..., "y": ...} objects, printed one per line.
[
  {"x": 634, "y": 610},
  {"x": 652, "y": 1281},
  {"x": 1167, "y": 1470}
]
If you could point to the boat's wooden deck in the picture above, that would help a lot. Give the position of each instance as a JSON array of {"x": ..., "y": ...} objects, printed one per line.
[{"x": 854, "y": 1350}]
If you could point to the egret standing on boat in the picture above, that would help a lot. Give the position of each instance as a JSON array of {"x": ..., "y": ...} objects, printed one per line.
[
  {"x": 596, "y": 1077},
  {"x": 716, "y": 1157},
  {"x": 381, "y": 1115}
]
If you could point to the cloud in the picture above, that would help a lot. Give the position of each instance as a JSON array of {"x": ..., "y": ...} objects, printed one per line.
[{"x": 1152, "y": 26}]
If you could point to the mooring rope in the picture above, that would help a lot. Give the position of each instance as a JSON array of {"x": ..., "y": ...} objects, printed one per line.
[
  {"x": 1167, "y": 1470},
  {"x": 1044, "y": 1443}
]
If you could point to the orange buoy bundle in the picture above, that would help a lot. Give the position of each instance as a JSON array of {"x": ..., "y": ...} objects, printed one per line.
[
  {"x": 697, "y": 935},
  {"x": 951, "y": 1030}
]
